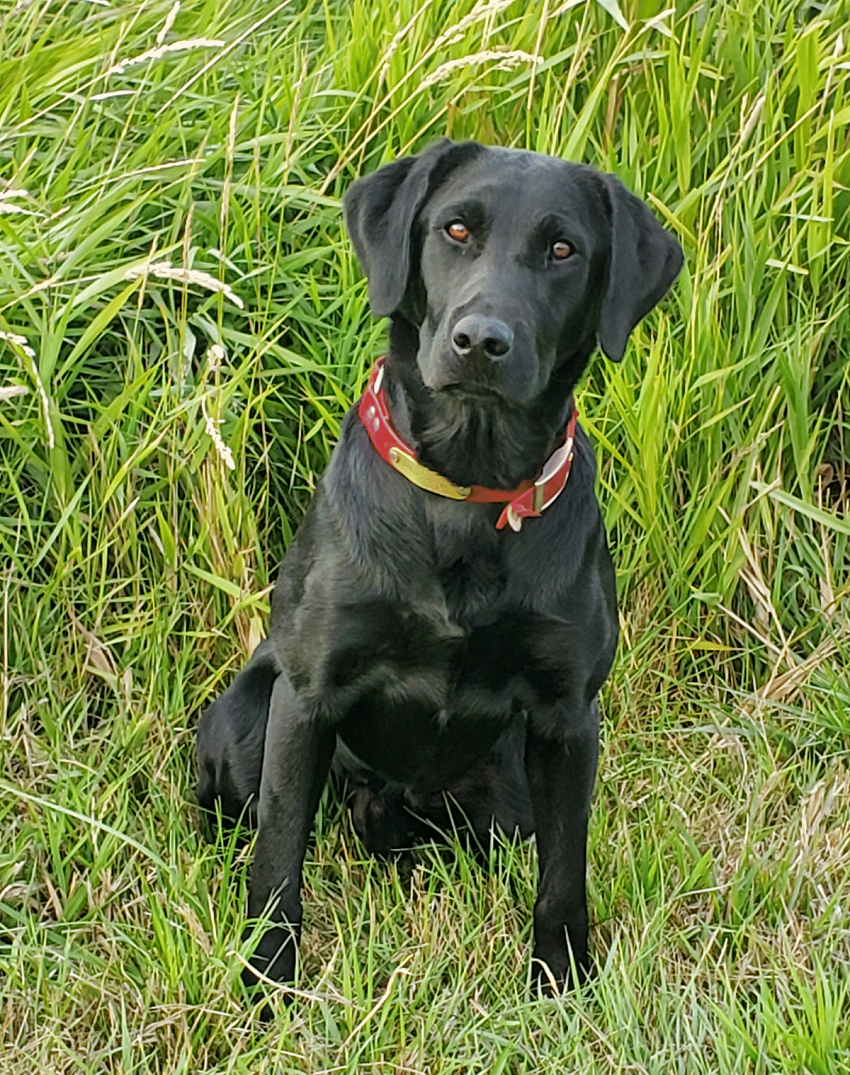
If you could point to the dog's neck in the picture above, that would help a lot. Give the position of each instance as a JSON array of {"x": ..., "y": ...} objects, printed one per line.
[{"x": 472, "y": 441}]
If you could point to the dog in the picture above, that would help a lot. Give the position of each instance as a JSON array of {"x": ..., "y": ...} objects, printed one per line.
[{"x": 446, "y": 613}]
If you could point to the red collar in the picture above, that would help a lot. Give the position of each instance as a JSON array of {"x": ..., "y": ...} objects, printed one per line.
[{"x": 528, "y": 500}]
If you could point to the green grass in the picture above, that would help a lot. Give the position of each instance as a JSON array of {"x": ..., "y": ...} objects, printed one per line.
[{"x": 136, "y": 565}]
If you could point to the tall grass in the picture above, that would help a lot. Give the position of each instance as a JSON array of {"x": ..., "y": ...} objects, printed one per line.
[{"x": 182, "y": 326}]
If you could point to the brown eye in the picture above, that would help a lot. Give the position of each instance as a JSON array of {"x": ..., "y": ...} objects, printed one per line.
[
  {"x": 561, "y": 249},
  {"x": 457, "y": 231}
]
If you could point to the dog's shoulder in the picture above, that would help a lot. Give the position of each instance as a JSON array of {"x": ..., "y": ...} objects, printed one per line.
[
  {"x": 361, "y": 537},
  {"x": 377, "y": 513}
]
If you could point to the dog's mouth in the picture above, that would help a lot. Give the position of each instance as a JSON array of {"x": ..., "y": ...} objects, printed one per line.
[{"x": 473, "y": 435}]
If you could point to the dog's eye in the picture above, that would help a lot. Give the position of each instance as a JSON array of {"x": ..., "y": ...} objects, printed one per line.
[
  {"x": 561, "y": 250},
  {"x": 457, "y": 231}
]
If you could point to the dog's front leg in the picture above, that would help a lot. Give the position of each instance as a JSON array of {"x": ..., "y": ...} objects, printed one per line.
[
  {"x": 561, "y": 757},
  {"x": 298, "y": 752}
]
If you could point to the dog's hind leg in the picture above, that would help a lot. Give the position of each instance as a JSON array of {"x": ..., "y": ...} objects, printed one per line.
[
  {"x": 231, "y": 738},
  {"x": 382, "y": 819},
  {"x": 492, "y": 797},
  {"x": 378, "y": 809}
]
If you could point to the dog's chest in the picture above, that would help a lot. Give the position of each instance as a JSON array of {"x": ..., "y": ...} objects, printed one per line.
[
  {"x": 423, "y": 688},
  {"x": 422, "y": 701},
  {"x": 472, "y": 587},
  {"x": 449, "y": 632}
]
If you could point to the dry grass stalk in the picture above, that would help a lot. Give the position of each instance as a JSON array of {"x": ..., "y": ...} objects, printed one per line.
[
  {"x": 229, "y": 153},
  {"x": 18, "y": 341},
  {"x": 392, "y": 48},
  {"x": 216, "y": 354},
  {"x": 18, "y": 9},
  {"x": 8, "y": 207},
  {"x": 293, "y": 117},
  {"x": 9, "y": 391},
  {"x": 505, "y": 61},
  {"x": 486, "y": 10},
  {"x": 21, "y": 343},
  {"x": 748, "y": 124},
  {"x": 222, "y": 449},
  {"x": 781, "y": 688},
  {"x": 169, "y": 22},
  {"x": 164, "y": 270},
  {"x": 165, "y": 50}
]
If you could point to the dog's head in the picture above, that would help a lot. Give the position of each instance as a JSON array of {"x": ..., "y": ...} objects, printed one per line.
[{"x": 507, "y": 262}]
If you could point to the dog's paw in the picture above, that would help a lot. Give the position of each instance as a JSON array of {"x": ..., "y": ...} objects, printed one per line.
[
  {"x": 554, "y": 981},
  {"x": 273, "y": 961}
]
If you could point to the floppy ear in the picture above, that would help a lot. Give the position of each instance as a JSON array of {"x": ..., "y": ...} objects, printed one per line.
[
  {"x": 380, "y": 212},
  {"x": 644, "y": 261}
]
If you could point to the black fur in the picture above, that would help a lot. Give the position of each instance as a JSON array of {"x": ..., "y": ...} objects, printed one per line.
[{"x": 450, "y": 669}]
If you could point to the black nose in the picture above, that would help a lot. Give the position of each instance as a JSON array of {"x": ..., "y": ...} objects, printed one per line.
[{"x": 482, "y": 337}]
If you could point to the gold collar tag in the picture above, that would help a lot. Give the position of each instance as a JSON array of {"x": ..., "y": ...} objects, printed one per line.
[{"x": 426, "y": 478}]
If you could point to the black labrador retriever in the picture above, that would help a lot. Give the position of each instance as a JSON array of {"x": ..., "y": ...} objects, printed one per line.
[{"x": 446, "y": 613}]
